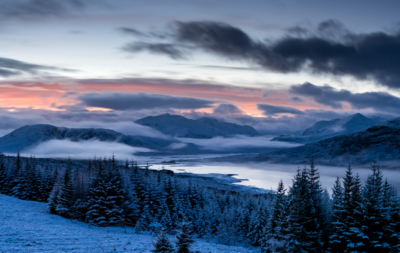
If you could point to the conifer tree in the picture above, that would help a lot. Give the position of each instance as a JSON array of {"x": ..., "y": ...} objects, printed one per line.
[
  {"x": 18, "y": 179},
  {"x": 338, "y": 239},
  {"x": 3, "y": 176},
  {"x": 97, "y": 206},
  {"x": 53, "y": 199},
  {"x": 391, "y": 217},
  {"x": 274, "y": 234},
  {"x": 374, "y": 223},
  {"x": 300, "y": 231},
  {"x": 65, "y": 198},
  {"x": 327, "y": 218},
  {"x": 116, "y": 197},
  {"x": 357, "y": 239},
  {"x": 184, "y": 237},
  {"x": 163, "y": 245},
  {"x": 314, "y": 227},
  {"x": 256, "y": 228}
]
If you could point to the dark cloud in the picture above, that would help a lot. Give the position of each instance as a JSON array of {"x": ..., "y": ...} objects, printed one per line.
[
  {"x": 11, "y": 67},
  {"x": 7, "y": 73},
  {"x": 270, "y": 110},
  {"x": 140, "y": 101},
  {"x": 297, "y": 99},
  {"x": 298, "y": 31},
  {"x": 326, "y": 95},
  {"x": 133, "y": 31},
  {"x": 169, "y": 49},
  {"x": 227, "y": 109},
  {"x": 29, "y": 9},
  {"x": 330, "y": 50}
]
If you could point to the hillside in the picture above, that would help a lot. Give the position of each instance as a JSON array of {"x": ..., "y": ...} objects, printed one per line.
[
  {"x": 380, "y": 142},
  {"x": 203, "y": 128},
  {"x": 31, "y": 135},
  {"x": 325, "y": 129},
  {"x": 26, "y": 226}
]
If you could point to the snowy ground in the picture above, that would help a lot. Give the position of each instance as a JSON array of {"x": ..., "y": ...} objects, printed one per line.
[{"x": 26, "y": 226}]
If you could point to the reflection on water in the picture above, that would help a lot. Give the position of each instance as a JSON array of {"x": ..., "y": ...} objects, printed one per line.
[{"x": 267, "y": 176}]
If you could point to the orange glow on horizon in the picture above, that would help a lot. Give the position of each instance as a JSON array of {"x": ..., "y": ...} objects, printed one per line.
[{"x": 35, "y": 95}]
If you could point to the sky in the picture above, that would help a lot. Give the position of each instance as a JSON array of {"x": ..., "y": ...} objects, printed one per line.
[{"x": 277, "y": 65}]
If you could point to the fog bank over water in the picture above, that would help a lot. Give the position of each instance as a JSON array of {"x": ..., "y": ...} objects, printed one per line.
[{"x": 267, "y": 175}]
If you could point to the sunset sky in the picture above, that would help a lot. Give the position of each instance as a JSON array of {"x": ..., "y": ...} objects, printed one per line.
[{"x": 277, "y": 65}]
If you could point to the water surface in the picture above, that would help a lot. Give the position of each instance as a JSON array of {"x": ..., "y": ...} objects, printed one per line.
[{"x": 267, "y": 175}]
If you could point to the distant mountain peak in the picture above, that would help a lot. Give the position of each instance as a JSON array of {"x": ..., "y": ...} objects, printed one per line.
[
  {"x": 376, "y": 143},
  {"x": 351, "y": 123},
  {"x": 202, "y": 128}
]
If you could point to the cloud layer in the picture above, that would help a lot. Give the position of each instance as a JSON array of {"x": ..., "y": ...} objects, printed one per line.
[
  {"x": 139, "y": 101},
  {"x": 326, "y": 95},
  {"x": 238, "y": 142},
  {"x": 271, "y": 110},
  {"x": 10, "y": 67},
  {"x": 83, "y": 150},
  {"x": 29, "y": 9},
  {"x": 332, "y": 50}
]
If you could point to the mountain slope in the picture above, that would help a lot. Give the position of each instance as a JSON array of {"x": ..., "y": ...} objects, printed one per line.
[
  {"x": 380, "y": 143},
  {"x": 325, "y": 129},
  {"x": 203, "y": 128},
  {"x": 31, "y": 135}
]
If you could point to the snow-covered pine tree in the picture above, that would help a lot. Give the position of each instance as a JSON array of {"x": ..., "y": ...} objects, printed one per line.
[
  {"x": 257, "y": 225},
  {"x": 243, "y": 224},
  {"x": 300, "y": 231},
  {"x": 116, "y": 196},
  {"x": 163, "y": 245},
  {"x": 18, "y": 179},
  {"x": 65, "y": 198},
  {"x": 274, "y": 238},
  {"x": 392, "y": 217},
  {"x": 53, "y": 198},
  {"x": 33, "y": 179},
  {"x": 374, "y": 222},
  {"x": 315, "y": 213},
  {"x": 327, "y": 218},
  {"x": 166, "y": 220},
  {"x": 347, "y": 202},
  {"x": 47, "y": 182},
  {"x": 3, "y": 176},
  {"x": 357, "y": 239},
  {"x": 338, "y": 239},
  {"x": 97, "y": 206},
  {"x": 184, "y": 237}
]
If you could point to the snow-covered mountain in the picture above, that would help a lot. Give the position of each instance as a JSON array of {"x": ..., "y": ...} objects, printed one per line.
[
  {"x": 325, "y": 129},
  {"x": 377, "y": 143},
  {"x": 203, "y": 128},
  {"x": 32, "y": 135}
]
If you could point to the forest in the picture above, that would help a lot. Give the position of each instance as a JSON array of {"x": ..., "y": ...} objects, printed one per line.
[{"x": 358, "y": 217}]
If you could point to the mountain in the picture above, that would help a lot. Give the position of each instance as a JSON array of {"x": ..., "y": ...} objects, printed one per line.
[
  {"x": 377, "y": 143},
  {"x": 325, "y": 129},
  {"x": 203, "y": 128},
  {"x": 32, "y": 135}
]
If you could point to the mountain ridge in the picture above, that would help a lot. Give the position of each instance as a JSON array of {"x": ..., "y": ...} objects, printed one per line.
[
  {"x": 202, "y": 128},
  {"x": 326, "y": 129},
  {"x": 31, "y": 135},
  {"x": 380, "y": 142}
]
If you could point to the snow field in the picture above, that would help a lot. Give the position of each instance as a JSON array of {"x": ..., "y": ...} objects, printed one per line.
[{"x": 26, "y": 226}]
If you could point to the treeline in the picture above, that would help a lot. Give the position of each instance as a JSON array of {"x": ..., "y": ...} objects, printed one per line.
[{"x": 304, "y": 218}]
